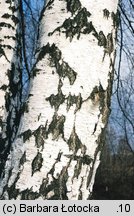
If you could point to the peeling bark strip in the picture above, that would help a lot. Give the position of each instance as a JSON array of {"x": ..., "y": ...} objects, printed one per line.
[
  {"x": 60, "y": 137},
  {"x": 10, "y": 77}
]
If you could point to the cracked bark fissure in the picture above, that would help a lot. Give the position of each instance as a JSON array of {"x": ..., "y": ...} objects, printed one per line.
[{"x": 57, "y": 150}]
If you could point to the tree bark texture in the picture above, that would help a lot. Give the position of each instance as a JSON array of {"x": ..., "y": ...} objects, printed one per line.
[
  {"x": 10, "y": 76},
  {"x": 57, "y": 151}
]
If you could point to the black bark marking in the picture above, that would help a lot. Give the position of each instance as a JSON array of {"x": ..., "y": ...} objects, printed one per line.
[
  {"x": 37, "y": 163},
  {"x": 56, "y": 127},
  {"x": 10, "y": 37},
  {"x": 2, "y": 52},
  {"x": 36, "y": 70},
  {"x": 116, "y": 18},
  {"x": 77, "y": 168},
  {"x": 28, "y": 194},
  {"x": 81, "y": 160},
  {"x": 95, "y": 127},
  {"x": 53, "y": 51},
  {"x": 58, "y": 186},
  {"x": 26, "y": 135},
  {"x": 43, "y": 188},
  {"x": 72, "y": 99},
  {"x": 12, "y": 191},
  {"x": 98, "y": 96},
  {"x": 39, "y": 116},
  {"x": 40, "y": 135},
  {"x": 8, "y": 25},
  {"x": 108, "y": 49},
  {"x": 78, "y": 102},
  {"x": 57, "y": 100},
  {"x": 73, "y": 6},
  {"x": 102, "y": 41},
  {"x": 57, "y": 160},
  {"x": 49, "y": 4},
  {"x": 23, "y": 159},
  {"x": 110, "y": 46},
  {"x": 106, "y": 99},
  {"x": 106, "y": 13},
  {"x": 86, "y": 159},
  {"x": 63, "y": 69},
  {"x": 101, "y": 97},
  {"x": 80, "y": 191},
  {"x": 14, "y": 18},
  {"x": 4, "y": 87},
  {"x": 94, "y": 96},
  {"x": 63, "y": 177},
  {"x": 77, "y": 25},
  {"x": 106, "y": 42},
  {"x": 12, "y": 8},
  {"x": 74, "y": 142},
  {"x": 25, "y": 107}
]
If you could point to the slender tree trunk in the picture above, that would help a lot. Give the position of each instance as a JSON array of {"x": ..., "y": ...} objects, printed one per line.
[
  {"x": 10, "y": 77},
  {"x": 59, "y": 142}
]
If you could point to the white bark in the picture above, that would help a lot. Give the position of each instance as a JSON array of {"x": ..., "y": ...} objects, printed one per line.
[
  {"x": 58, "y": 147},
  {"x": 6, "y": 52},
  {"x": 9, "y": 76}
]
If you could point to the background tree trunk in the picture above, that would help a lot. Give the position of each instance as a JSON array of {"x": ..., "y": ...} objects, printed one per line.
[
  {"x": 10, "y": 76},
  {"x": 59, "y": 141}
]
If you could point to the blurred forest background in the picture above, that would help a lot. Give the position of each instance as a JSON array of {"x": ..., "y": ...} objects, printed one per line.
[{"x": 115, "y": 175}]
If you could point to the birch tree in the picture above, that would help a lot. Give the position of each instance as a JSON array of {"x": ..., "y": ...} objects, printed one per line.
[
  {"x": 10, "y": 76},
  {"x": 57, "y": 149}
]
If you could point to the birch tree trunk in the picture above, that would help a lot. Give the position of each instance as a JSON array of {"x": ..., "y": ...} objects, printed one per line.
[
  {"x": 59, "y": 142},
  {"x": 10, "y": 76}
]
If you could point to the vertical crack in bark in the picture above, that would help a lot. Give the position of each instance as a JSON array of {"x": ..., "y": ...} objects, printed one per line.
[{"x": 80, "y": 191}]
